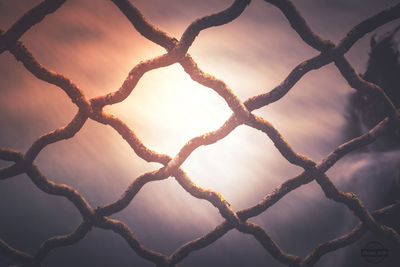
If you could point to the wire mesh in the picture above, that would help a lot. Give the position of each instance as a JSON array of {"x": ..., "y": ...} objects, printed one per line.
[{"x": 242, "y": 115}]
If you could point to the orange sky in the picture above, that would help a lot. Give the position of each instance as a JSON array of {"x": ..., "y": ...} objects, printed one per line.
[{"x": 96, "y": 46}]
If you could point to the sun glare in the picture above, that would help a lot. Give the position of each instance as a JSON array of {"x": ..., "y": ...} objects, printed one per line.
[{"x": 167, "y": 109}]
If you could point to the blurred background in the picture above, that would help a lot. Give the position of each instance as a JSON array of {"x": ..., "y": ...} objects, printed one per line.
[{"x": 96, "y": 46}]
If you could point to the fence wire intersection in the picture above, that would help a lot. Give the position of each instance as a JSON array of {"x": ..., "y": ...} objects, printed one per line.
[{"x": 176, "y": 52}]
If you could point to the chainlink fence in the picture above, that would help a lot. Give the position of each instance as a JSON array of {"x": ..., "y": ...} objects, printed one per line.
[{"x": 177, "y": 53}]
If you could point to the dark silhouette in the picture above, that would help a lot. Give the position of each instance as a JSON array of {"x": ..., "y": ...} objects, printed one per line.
[{"x": 365, "y": 109}]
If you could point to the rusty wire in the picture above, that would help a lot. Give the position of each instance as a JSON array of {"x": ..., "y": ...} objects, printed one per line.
[{"x": 176, "y": 52}]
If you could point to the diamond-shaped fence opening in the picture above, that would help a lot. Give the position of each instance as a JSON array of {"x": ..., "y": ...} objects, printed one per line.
[{"x": 93, "y": 109}]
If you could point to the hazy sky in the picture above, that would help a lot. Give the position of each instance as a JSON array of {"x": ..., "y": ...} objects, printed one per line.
[{"x": 93, "y": 44}]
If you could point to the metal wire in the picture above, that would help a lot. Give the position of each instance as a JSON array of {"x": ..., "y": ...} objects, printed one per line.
[{"x": 177, "y": 53}]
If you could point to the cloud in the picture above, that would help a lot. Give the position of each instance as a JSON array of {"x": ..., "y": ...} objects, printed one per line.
[{"x": 96, "y": 47}]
